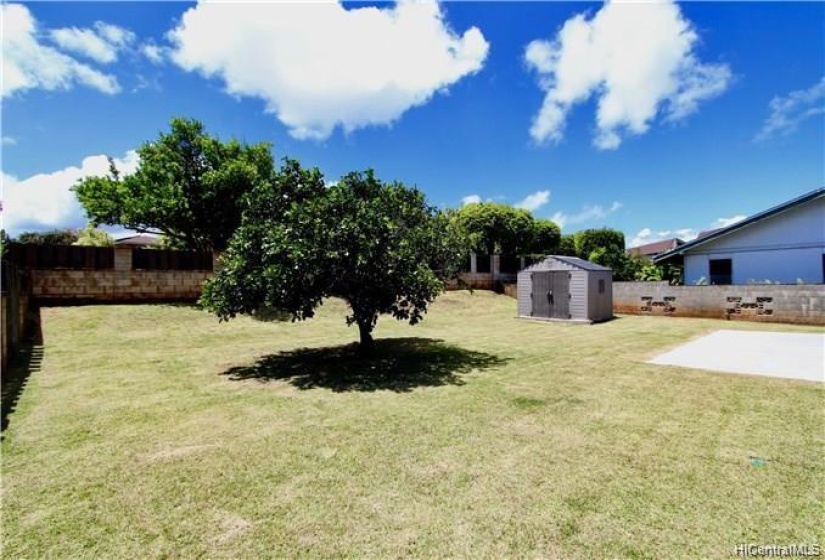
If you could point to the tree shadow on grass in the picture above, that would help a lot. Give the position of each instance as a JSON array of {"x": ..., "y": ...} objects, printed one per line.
[{"x": 397, "y": 364}]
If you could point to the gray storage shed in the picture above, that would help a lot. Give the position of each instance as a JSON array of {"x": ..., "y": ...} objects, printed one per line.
[{"x": 561, "y": 288}]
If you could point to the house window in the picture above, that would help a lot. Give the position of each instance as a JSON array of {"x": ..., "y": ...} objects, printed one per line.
[
  {"x": 721, "y": 272},
  {"x": 601, "y": 286}
]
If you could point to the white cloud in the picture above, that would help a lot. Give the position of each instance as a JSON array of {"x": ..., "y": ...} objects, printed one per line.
[
  {"x": 9, "y": 141},
  {"x": 46, "y": 201},
  {"x": 470, "y": 199},
  {"x": 534, "y": 201},
  {"x": 101, "y": 44},
  {"x": 637, "y": 58},
  {"x": 646, "y": 235},
  {"x": 788, "y": 112},
  {"x": 318, "y": 65},
  {"x": 114, "y": 34},
  {"x": 156, "y": 54},
  {"x": 588, "y": 213},
  {"x": 28, "y": 64},
  {"x": 725, "y": 222}
]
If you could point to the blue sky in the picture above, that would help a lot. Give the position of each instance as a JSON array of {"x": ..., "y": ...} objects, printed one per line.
[{"x": 657, "y": 119}]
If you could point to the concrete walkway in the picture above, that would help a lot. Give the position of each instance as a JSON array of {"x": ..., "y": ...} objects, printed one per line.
[{"x": 772, "y": 354}]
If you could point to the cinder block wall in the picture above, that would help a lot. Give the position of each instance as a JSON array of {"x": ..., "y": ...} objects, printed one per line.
[
  {"x": 117, "y": 285},
  {"x": 120, "y": 284},
  {"x": 804, "y": 304}
]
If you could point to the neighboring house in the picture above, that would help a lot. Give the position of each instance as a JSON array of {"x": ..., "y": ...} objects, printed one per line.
[
  {"x": 784, "y": 244},
  {"x": 651, "y": 250},
  {"x": 138, "y": 240}
]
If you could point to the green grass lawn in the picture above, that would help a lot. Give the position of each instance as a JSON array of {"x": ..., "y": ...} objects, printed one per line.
[{"x": 155, "y": 431}]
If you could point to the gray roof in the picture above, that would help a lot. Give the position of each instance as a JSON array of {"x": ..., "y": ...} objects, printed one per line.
[
  {"x": 581, "y": 263},
  {"x": 715, "y": 234},
  {"x": 573, "y": 261}
]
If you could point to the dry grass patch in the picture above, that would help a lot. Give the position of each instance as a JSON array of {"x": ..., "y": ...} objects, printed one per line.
[{"x": 154, "y": 431}]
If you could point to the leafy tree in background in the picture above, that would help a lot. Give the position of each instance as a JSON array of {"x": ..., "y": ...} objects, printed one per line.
[
  {"x": 647, "y": 271},
  {"x": 606, "y": 247},
  {"x": 380, "y": 247},
  {"x": 188, "y": 185},
  {"x": 589, "y": 240},
  {"x": 546, "y": 237},
  {"x": 567, "y": 246},
  {"x": 499, "y": 228},
  {"x": 52, "y": 237},
  {"x": 91, "y": 236}
]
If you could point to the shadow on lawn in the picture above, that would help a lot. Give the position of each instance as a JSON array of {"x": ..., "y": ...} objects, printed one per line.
[
  {"x": 397, "y": 364},
  {"x": 21, "y": 366}
]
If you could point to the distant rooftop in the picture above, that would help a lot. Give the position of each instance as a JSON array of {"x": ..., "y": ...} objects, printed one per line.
[
  {"x": 655, "y": 248},
  {"x": 138, "y": 239}
]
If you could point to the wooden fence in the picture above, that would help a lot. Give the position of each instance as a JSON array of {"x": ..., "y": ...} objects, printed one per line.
[
  {"x": 14, "y": 305},
  {"x": 73, "y": 257},
  {"x": 161, "y": 259},
  {"x": 47, "y": 257}
]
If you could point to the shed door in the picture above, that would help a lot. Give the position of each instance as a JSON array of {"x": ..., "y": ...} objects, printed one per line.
[
  {"x": 541, "y": 294},
  {"x": 559, "y": 296}
]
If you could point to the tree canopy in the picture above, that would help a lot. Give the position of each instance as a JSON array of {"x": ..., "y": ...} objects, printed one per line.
[
  {"x": 188, "y": 185},
  {"x": 91, "y": 236},
  {"x": 378, "y": 246},
  {"x": 51, "y": 237},
  {"x": 546, "y": 237},
  {"x": 500, "y": 228}
]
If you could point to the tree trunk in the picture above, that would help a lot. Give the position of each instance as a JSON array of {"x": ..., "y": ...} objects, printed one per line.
[{"x": 367, "y": 343}]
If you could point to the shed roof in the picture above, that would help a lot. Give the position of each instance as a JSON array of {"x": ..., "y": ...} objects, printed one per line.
[
  {"x": 755, "y": 219},
  {"x": 574, "y": 261}
]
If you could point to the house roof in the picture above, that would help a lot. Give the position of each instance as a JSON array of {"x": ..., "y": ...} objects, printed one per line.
[
  {"x": 708, "y": 232},
  {"x": 747, "y": 222},
  {"x": 656, "y": 247},
  {"x": 139, "y": 239}
]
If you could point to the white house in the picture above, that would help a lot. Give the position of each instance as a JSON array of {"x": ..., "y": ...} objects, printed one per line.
[{"x": 784, "y": 244}]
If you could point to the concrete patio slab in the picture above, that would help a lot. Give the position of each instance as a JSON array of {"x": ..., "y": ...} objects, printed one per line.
[{"x": 772, "y": 354}]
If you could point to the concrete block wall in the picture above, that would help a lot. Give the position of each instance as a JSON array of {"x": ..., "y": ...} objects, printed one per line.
[
  {"x": 804, "y": 304},
  {"x": 117, "y": 285}
]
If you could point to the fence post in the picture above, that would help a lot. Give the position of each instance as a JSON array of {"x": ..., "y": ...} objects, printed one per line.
[
  {"x": 217, "y": 264},
  {"x": 123, "y": 258}
]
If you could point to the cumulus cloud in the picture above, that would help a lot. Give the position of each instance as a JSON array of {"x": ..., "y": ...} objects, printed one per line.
[
  {"x": 155, "y": 53},
  {"x": 102, "y": 43},
  {"x": 28, "y": 64},
  {"x": 639, "y": 60},
  {"x": 647, "y": 235},
  {"x": 534, "y": 201},
  {"x": 788, "y": 112},
  {"x": 725, "y": 222},
  {"x": 470, "y": 199},
  {"x": 319, "y": 65},
  {"x": 45, "y": 200},
  {"x": 588, "y": 213}
]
